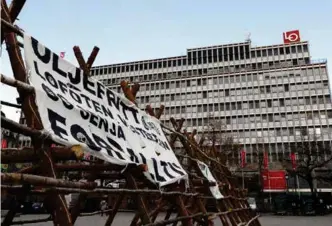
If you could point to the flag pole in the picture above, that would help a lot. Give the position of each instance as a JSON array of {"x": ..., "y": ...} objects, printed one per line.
[
  {"x": 242, "y": 179},
  {"x": 243, "y": 160}
]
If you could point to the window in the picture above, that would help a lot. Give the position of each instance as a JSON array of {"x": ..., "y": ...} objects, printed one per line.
[
  {"x": 286, "y": 87},
  {"x": 258, "y": 53},
  {"x": 293, "y": 48},
  {"x": 264, "y": 53},
  {"x": 236, "y": 53},
  {"x": 230, "y": 53},
  {"x": 256, "y": 104},
  {"x": 227, "y": 92},
  {"x": 282, "y": 103},
  {"x": 281, "y": 50},
  {"x": 287, "y": 50},
  {"x": 275, "y": 51},
  {"x": 220, "y": 55},
  {"x": 241, "y": 52},
  {"x": 270, "y": 118},
  {"x": 268, "y": 89},
  {"x": 239, "y": 106},
  {"x": 225, "y": 50},
  {"x": 299, "y": 49},
  {"x": 179, "y": 62},
  {"x": 194, "y": 58},
  {"x": 269, "y": 52},
  {"x": 174, "y": 63},
  {"x": 253, "y": 54},
  {"x": 204, "y": 94},
  {"x": 215, "y": 55}
]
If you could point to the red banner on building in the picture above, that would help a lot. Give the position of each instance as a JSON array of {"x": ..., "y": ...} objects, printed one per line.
[
  {"x": 3, "y": 143},
  {"x": 266, "y": 160},
  {"x": 274, "y": 180},
  {"x": 293, "y": 159},
  {"x": 243, "y": 158}
]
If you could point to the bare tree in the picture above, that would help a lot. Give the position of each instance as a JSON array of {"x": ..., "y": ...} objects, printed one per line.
[
  {"x": 311, "y": 156},
  {"x": 215, "y": 135},
  {"x": 258, "y": 154}
]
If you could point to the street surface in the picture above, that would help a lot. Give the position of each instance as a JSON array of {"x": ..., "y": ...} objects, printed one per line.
[{"x": 125, "y": 219}]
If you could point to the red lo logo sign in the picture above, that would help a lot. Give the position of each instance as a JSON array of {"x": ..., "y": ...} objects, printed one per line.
[{"x": 291, "y": 36}]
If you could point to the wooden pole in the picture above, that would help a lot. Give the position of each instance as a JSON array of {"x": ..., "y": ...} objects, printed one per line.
[
  {"x": 43, "y": 181},
  {"x": 14, "y": 155},
  {"x": 75, "y": 211},
  {"x": 55, "y": 202}
]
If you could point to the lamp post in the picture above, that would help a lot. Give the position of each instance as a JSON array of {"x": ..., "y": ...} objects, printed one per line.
[{"x": 286, "y": 178}]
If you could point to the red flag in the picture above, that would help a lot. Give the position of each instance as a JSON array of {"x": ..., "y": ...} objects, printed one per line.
[
  {"x": 293, "y": 159},
  {"x": 3, "y": 143},
  {"x": 87, "y": 156},
  {"x": 266, "y": 160},
  {"x": 62, "y": 54},
  {"x": 243, "y": 158}
]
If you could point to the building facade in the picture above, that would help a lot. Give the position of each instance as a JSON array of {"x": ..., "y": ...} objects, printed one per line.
[{"x": 265, "y": 96}]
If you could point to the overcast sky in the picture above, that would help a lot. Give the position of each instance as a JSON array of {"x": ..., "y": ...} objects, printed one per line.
[{"x": 128, "y": 30}]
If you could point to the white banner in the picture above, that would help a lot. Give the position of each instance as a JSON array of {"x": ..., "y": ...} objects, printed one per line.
[
  {"x": 77, "y": 110},
  {"x": 208, "y": 175}
]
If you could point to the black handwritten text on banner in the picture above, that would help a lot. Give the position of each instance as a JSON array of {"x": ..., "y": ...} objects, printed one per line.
[{"x": 77, "y": 110}]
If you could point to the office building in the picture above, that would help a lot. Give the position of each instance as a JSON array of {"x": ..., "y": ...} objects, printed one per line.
[{"x": 268, "y": 95}]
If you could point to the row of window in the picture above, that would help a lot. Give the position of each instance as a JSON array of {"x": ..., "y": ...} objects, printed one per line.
[
  {"x": 195, "y": 73},
  {"x": 274, "y": 77},
  {"x": 278, "y": 132},
  {"x": 224, "y": 92},
  {"x": 244, "y": 106},
  {"x": 208, "y": 71},
  {"x": 202, "y": 57},
  {"x": 264, "y": 118},
  {"x": 277, "y": 152},
  {"x": 247, "y": 94}
]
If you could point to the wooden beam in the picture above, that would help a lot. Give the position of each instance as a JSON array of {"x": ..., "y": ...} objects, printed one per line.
[
  {"x": 75, "y": 211},
  {"x": 17, "y": 84},
  {"x": 15, "y": 155},
  {"x": 92, "y": 57},
  {"x": 12, "y": 12},
  {"x": 43, "y": 181}
]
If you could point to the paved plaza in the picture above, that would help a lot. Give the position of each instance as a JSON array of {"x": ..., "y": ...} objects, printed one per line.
[{"x": 266, "y": 220}]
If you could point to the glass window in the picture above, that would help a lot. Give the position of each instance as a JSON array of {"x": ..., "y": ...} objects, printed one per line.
[
  {"x": 281, "y": 50},
  {"x": 299, "y": 49},
  {"x": 264, "y": 53}
]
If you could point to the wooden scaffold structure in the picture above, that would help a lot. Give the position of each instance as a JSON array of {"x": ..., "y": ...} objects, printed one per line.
[{"x": 187, "y": 201}]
